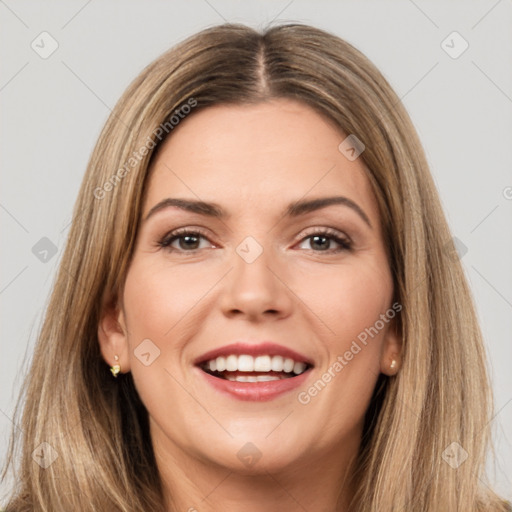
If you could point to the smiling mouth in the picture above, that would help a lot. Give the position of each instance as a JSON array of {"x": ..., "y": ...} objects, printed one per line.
[{"x": 246, "y": 368}]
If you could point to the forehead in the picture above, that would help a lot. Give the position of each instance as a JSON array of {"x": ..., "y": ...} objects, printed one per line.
[{"x": 254, "y": 156}]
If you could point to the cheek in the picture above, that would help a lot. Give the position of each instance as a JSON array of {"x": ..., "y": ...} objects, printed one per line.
[
  {"x": 158, "y": 299},
  {"x": 158, "y": 302},
  {"x": 163, "y": 304},
  {"x": 348, "y": 300}
]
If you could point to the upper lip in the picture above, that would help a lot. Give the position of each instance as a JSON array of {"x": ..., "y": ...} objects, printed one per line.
[{"x": 253, "y": 349}]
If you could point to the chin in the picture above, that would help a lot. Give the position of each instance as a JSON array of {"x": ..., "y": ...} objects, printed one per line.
[{"x": 254, "y": 455}]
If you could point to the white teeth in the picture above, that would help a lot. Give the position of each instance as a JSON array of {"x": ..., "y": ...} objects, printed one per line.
[
  {"x": 264, "y": 378},
  {"x": 262, "y": 364},
  {"x": 298, "y": 368},
  {"x": 277, "y": 363},
  {"x": 221, "y": 364},
  {"x": 231, "y": 363},
  {"x": 247, "y": 363},
  {"x": 288, "y": 365},
  {"x": 252, "y": 378}
]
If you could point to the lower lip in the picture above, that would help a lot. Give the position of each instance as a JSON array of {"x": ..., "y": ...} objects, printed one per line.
[{"x": 255, "y": 391}]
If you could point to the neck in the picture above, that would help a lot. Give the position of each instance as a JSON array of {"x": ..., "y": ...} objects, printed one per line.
[{"x": 319, "y": 483}]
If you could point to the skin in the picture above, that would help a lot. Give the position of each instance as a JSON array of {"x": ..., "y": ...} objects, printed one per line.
[{"x": 253, "y": 161}]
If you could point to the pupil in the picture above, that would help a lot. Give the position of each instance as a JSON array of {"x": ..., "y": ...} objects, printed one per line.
[
  {"x": 188, "y": 238},
  {"x": 316, "y": 237}
]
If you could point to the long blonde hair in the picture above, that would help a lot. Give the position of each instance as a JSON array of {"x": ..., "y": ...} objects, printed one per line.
[{"x": 97, "y": 426}]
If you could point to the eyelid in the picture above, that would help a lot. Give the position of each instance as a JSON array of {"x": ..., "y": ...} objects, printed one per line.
[{"x": 323, "y": 230}]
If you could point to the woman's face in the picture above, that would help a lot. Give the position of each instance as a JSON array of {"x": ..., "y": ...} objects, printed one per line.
[{"x": 263, "y": 276}]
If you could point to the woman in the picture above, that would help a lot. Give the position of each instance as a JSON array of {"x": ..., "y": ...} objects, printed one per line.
[{"x": 259, "y": 256}]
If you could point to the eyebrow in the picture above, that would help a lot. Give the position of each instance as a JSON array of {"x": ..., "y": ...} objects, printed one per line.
[{"x": 294, "y": 209}]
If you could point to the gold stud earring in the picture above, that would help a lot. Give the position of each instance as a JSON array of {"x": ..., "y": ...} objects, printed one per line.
[
  {"x": 116, "y": 368},
  {"x": 393, "y": 364}
]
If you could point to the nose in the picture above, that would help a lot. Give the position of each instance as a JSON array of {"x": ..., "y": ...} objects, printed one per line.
[{"x": 257, "y": 290}]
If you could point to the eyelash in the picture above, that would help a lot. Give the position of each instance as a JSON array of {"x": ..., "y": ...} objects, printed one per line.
[{"x": 169, "y": 238}]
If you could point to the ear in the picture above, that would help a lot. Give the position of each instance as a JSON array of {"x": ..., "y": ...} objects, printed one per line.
[
  {"x": 391, "y": 350},
  {"x": 112, "y": 336}
]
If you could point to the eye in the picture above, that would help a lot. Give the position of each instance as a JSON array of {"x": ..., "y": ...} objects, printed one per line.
[
  {"x": 321, "y": 240},
  {"x": 187, "y": 240}
]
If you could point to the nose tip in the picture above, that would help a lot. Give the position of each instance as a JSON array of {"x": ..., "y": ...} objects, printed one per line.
[{"x": 253, "y": 288}]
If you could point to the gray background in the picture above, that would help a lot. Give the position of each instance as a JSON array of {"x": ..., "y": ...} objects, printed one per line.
[{"x": 53, "y": 110}]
